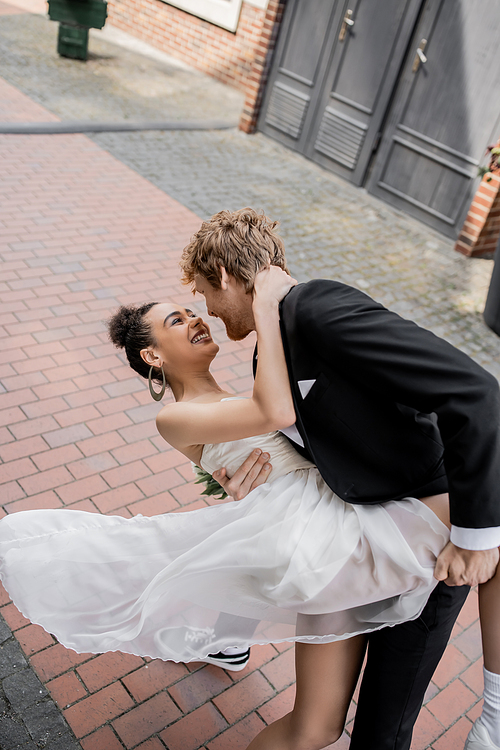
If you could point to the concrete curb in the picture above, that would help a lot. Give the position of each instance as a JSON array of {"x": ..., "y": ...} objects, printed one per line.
[{"x": 56, "y": 128}]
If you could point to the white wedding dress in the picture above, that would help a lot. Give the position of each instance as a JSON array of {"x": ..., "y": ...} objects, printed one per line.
[{"x": 290, "y": 562}]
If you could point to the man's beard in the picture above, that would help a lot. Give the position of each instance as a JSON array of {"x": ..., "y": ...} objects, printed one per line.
[
  {"x": 236, "y": 330},
  {"x": 238, "y": 320}
]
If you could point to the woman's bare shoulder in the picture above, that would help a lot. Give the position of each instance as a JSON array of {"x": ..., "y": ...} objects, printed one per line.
[
  {"x": 171, "y": 423},
  {"x": 171, "y": 413},
  {"x": 175, "y": 417}
]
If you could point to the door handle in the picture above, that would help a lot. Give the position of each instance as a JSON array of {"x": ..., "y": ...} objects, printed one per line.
[
  {"x": 420, "y": 58},
  {"x": 347, "y": 21}
]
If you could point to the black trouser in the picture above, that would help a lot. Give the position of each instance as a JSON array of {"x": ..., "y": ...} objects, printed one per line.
[{"x": 400, "y": 665}]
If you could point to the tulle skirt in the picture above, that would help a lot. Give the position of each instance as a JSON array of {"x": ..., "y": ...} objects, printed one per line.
[{"x": 290, "y": 562}]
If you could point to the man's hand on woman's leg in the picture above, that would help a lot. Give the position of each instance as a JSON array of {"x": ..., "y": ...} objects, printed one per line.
[{"x": 458, "y": 567}]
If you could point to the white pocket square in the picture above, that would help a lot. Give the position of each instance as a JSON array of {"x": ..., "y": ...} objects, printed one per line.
[{"x": 305, "y": 386}]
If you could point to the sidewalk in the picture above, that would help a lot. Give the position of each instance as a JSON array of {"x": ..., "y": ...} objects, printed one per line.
[{"x": 82, "y": 232}]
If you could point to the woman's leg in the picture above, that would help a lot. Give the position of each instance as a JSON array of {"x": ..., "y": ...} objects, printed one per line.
[
  {"x": 440, "y": 504},
  {"x": 326, "y": 677},
  {"x": 489, "y": 610}
]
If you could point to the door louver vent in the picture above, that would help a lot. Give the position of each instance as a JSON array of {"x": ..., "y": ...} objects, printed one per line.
[
  {"x": 287, "y": 109},
  {"x": 340, "y": 138}
]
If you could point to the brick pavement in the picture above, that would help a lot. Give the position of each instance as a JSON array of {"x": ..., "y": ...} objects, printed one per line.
[{"x": 81, "y": 232}]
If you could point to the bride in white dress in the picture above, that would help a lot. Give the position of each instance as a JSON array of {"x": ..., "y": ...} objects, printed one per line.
[{"x": 290, "y": 562}]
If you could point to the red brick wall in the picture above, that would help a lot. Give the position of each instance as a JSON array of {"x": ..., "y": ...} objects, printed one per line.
[
  {"x": 481, "y": 230},
  {"x": 238, "y": 59}
]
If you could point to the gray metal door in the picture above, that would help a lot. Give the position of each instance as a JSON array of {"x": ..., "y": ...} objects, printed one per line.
[
  {"x": 366, "y": 57},
  {"x": 335, "y": 68},
  {"x": 446, "y": 110},
  {"x": 298, "y": 70}
]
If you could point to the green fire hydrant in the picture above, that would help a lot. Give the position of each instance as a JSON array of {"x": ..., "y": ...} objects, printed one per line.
[{"x": 75, "y": 18}]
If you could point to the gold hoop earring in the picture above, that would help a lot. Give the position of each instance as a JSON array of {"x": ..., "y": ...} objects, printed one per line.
[{"x": 157, "y": 396}]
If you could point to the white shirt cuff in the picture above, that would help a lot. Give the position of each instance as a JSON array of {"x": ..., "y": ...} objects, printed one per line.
[{"x": 475, "y": 539}]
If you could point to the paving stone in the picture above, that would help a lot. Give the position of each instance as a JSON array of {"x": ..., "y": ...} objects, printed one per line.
[
  {"x": 102, "y": 739},
  {"x": 280, "y": 671},
  {"x": 5, "y": 631},
  {"x": 23, "y": 689},
  {"x": 195, "y": 729},
  {"x": 45, "y": 722},
  {"x": 150, "y": 679},
  {"x": 64, "y": 742},
  {"x": 244, "y": 697},
  {"x": 278, "y": 706},
  {"x": 11, "y": 658},
  {"x": 4, "y": 706},
  {"x": 90, "y": 713},
  {"x": 192, "y": 691},
  {"x": 66, "y": 689},
  {"x": 448, "y": 705},
  {"x": 55, "y": 660},
  {"x": 238, "y": 736},
  {"x": 14, "y": 736},
  {"x": 469, "y": 642},
  {"x": 145, "y": 720},
  {"x": 33, "y": 638},
  {"x": 152, "y": 744},
  {"x": 106, "y": 668},
  {"x": 29, "y": 719}
]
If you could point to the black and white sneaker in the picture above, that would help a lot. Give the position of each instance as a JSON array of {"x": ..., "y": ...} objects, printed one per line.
[{"x": 233, "y": 659}]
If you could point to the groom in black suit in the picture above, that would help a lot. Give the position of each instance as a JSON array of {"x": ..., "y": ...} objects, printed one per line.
[{"x": 386, "y": 410}]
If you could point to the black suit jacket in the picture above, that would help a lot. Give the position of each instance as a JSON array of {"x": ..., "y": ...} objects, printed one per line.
[{"x": 394, "y": 408}]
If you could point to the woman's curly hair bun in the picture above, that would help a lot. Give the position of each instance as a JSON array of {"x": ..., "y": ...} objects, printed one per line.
[
  {"x": 122, "y": 323},
  {"x": 129, "y": 329}
]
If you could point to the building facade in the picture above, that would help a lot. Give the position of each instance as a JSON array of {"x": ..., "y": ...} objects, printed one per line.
[
  {"x": 231, "y": 40},
  {"x": 400, "y": 97}
]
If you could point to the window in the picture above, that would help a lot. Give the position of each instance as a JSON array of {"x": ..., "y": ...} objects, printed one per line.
[{"x": 223, "y": 13}]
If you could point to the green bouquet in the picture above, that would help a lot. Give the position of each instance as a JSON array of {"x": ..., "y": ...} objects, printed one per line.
[{"x": 212, "y": 487}]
